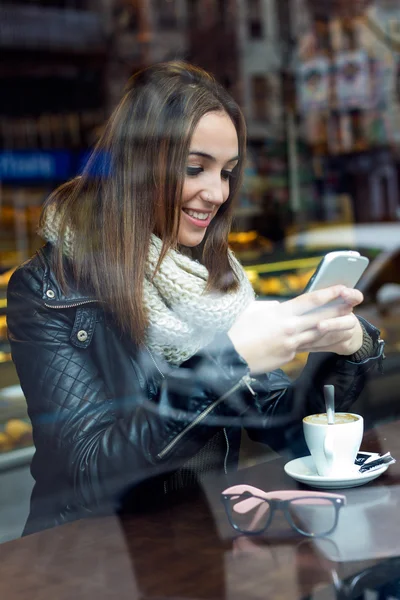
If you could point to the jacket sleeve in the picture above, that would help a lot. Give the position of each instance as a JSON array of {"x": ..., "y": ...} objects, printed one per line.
[
  {"x": 100, "y": 443},
  {"x": 287, "y": 402}
]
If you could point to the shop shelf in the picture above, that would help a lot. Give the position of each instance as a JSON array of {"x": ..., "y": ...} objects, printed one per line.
[{"x": 16, "y": 458}]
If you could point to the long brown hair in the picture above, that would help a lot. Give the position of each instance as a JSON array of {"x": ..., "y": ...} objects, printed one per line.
[{"x": 114, "y": 208}]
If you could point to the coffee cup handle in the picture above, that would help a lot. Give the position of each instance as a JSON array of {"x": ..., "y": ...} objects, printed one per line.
[{"x": 329, "y": 447}]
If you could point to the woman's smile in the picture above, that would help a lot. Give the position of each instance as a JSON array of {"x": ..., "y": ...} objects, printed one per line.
[{"x": 197, "y": 217}]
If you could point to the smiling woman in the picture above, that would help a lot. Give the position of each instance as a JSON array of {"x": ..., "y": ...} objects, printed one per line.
[
  {"x": 139, "y": 346},
  {"x": 172, "y": 143}
]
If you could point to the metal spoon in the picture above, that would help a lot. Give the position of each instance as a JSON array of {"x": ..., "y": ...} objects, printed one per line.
[{"x": 329, "y": 395}]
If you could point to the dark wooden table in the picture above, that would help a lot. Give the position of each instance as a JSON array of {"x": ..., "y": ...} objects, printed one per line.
[{"x": 179, "y": 552}]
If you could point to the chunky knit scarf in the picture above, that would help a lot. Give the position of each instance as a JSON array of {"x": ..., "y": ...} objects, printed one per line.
[{"x": 182, "y": 317}]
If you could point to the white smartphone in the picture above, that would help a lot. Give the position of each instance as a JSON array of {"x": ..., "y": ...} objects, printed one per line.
[{"x": 343, "y": 267}]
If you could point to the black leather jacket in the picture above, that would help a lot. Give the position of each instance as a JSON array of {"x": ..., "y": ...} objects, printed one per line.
[{"x": 108, "y": 416}]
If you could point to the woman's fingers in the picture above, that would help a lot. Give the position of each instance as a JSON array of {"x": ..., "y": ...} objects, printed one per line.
[
  {"x": 305, "y": 340},
  {"x": 333, "y": 335},
  {"x": 338, "y": 324},
  {"x": 324, "y": 316},
  {"x": 329, "y": 315},
  {"x": 352, "y": 297},
  {"x": 320, "y": 299},
  {"x": 312, "y": 301}
]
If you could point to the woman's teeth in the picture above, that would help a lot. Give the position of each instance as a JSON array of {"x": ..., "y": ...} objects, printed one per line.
[{"x": 197, "y": 215}]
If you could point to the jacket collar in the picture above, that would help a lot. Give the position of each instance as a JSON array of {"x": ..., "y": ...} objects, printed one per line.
[{"x": 52, "y": 294}]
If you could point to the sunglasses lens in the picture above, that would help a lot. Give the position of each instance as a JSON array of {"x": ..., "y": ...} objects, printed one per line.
[
  {"x": 313, "y": 516},
  {"x": 249, "y": 515}
]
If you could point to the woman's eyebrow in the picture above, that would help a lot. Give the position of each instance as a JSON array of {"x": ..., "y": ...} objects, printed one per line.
[{"x": 210, "y": 157}]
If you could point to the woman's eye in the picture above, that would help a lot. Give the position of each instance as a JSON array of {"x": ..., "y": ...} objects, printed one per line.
[
  {"x": 193, "y": 171},
  {"x": 226, "y": 175}
]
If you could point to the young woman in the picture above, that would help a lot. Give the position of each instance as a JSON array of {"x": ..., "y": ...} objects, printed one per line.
[{"x": 135, "y": 332}]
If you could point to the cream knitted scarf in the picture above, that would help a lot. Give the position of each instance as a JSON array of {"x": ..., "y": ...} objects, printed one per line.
[{"x": 182, "y": 317}]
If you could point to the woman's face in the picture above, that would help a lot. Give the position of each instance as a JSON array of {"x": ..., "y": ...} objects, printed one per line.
[{"x": 212, "y": 157}]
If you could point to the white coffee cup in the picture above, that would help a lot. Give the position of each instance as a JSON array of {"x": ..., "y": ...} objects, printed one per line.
[{"x": 334, "y": 447}]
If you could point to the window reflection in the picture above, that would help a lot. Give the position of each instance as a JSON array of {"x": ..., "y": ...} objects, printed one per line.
[{"x": 320, "y": 91}]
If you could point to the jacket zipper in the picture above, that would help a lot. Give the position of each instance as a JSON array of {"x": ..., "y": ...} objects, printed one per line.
[
  {"x": 155, "y": 364},
  {"x": 201, "y": 416},
  {"x": 70, "y": 305},
  {"x": 227, "y": 452}
]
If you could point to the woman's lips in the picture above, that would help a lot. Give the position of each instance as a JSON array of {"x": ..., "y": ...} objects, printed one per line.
[{"x": 198, "y": 222}]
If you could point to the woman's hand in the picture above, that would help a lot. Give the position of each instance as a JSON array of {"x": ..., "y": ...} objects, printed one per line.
[
  {"x": 342, "y": 335},
  {"x": 269, "y": 334}
]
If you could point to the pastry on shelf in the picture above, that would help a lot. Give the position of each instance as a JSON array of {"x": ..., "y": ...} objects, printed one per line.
[
  {"x": 16, "y": 434},
  {"x": 249, "y": 245}
]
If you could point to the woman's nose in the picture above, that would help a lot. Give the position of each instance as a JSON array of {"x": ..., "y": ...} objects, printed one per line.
[{"x": 215, "y": 194}]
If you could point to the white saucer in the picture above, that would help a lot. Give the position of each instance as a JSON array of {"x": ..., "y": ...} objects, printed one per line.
[{"x": 303, "y": 470}]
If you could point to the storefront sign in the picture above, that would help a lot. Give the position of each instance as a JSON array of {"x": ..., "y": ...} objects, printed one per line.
[
  {"x": 52, "y": 165},
  {"x": 34, "y": 165}
]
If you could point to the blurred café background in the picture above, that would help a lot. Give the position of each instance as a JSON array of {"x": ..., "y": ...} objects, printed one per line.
[{"x": 319, "y": 82}]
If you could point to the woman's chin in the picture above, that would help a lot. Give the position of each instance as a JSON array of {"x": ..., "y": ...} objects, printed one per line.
[{"x": 190, "y": 240}]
